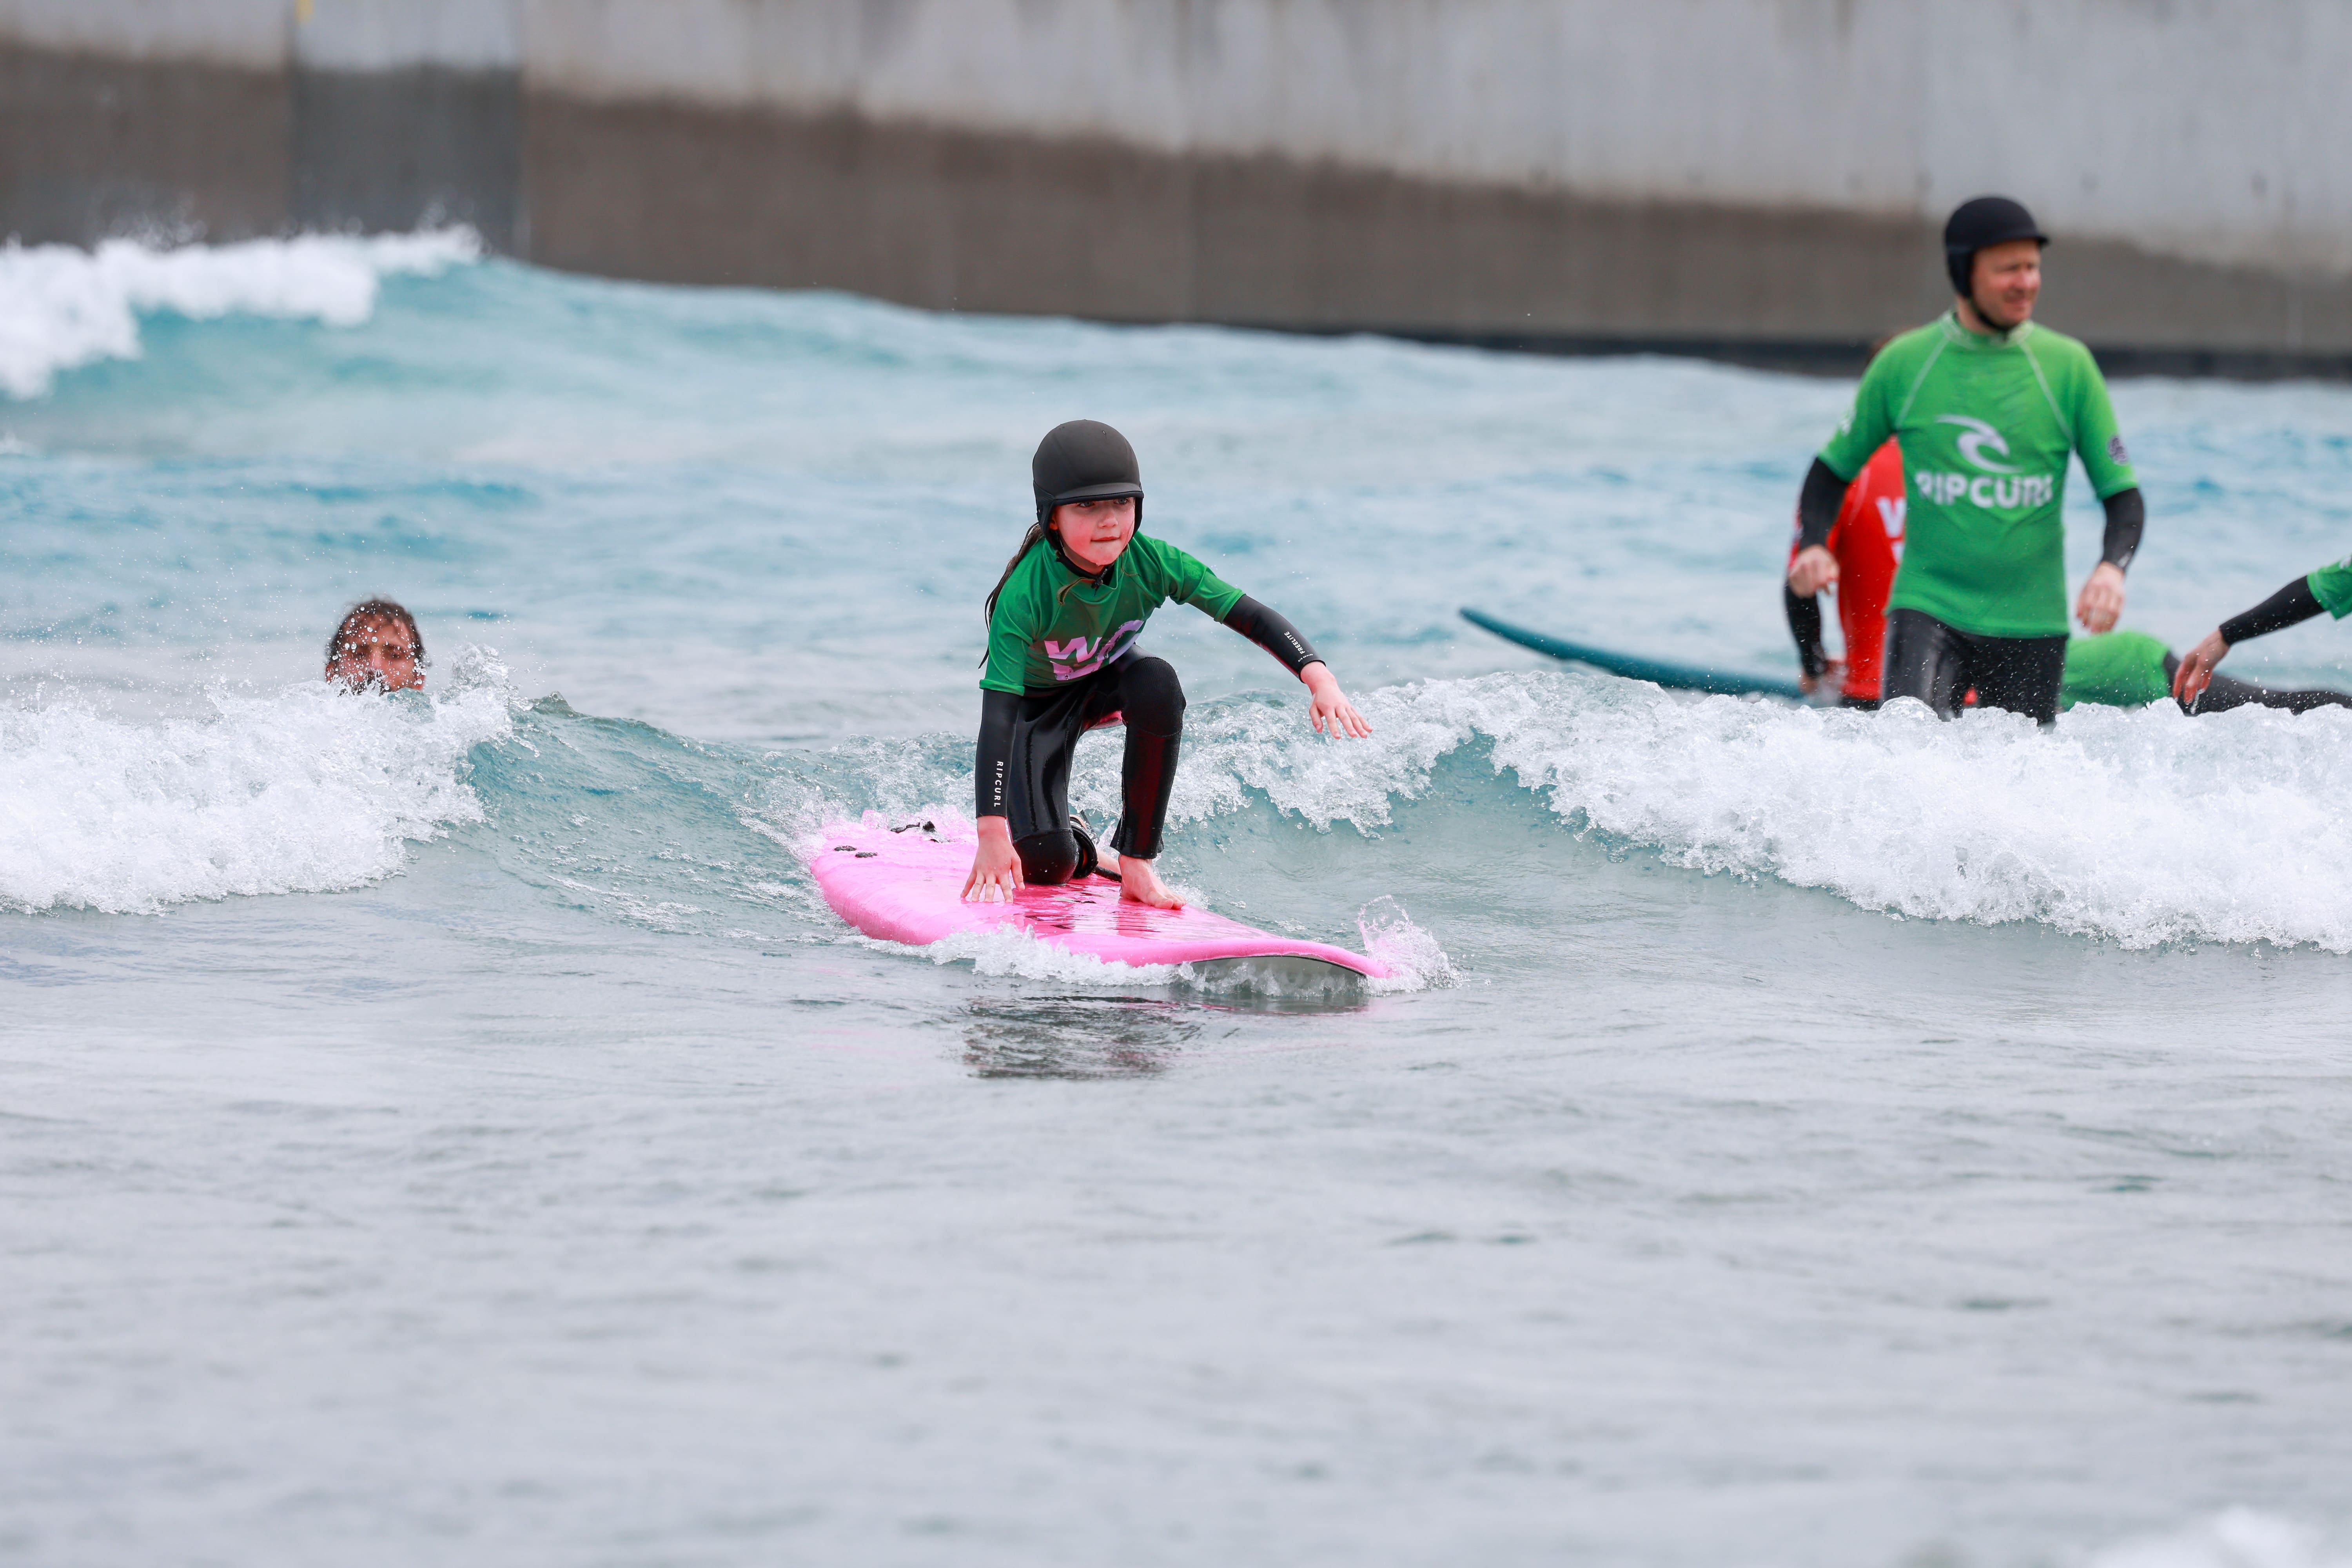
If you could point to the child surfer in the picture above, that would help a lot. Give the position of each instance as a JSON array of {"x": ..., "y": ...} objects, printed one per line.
[{"x": 1062, "y": 660}]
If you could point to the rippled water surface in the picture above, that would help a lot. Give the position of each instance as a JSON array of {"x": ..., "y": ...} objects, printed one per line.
[{"x": 452, "y": 1127}]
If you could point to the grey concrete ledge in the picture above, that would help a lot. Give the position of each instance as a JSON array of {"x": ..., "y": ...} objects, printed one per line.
[{"x": 958, "y": 219}]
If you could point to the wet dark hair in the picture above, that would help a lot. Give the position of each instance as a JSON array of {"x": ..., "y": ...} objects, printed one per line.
[
  {"x": 1042, "y": 532},
  {"x": 1029, "y": 541},
  {"x": 374, "y": 610}
]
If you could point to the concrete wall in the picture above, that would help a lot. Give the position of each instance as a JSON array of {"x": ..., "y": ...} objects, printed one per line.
[
  {"x": 2205, "y": 130},
  {"x": 1758, "y": 176}
]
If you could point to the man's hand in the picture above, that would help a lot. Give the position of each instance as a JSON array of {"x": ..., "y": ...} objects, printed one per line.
[
  {"x": 2102, "y": 601},
  {"x": 1329, "y": 712},
  {"x": 2196, "y": 672},
  {"x": 995, "y": 870},
  {"x": 1814, "y": 570}
]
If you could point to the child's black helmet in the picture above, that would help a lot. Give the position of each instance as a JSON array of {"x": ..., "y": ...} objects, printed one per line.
[
  {"x": 1085, "y": 459},
  {"x": 1981, "y": 222}
]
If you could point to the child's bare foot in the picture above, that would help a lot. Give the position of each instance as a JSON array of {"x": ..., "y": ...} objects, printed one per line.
[{"x": 1139, "y": 883}]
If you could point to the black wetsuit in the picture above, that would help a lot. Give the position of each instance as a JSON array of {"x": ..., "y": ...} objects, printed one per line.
[
  {"x": 1026, "y": 743},
  {"x": 1939, "y": 665}
]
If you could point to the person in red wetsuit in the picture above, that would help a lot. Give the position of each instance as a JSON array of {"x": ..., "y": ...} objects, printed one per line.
[{"x": 1867, "y": 540}]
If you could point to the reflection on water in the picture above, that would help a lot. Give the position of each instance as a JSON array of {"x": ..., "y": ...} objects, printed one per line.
[
  {"x": 1077, "y": 1037},
  {"x": 1121, "y": 1036}
]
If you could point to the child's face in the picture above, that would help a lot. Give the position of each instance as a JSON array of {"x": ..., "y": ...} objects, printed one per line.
[{"x": 1096, "y": 532}]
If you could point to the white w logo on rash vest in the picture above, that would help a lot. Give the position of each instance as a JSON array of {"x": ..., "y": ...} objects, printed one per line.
[{"x": 1083, "y": 655}]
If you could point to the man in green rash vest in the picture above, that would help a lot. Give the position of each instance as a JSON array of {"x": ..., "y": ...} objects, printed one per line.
[
  {"x": 2327, "y": 588},
  {"x": 1987, "y": 407},
  {"x": 2132, "y": 669}
]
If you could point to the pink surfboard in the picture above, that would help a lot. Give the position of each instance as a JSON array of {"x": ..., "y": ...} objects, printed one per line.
[{"x": 908, "y": 887}]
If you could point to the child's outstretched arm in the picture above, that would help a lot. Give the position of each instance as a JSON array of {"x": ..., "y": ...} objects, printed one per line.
[
  {"x": 995, "y": 869},
  {"x": 1328, "y": 709}
]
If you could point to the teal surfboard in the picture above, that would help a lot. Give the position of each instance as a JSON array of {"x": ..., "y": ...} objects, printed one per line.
[{"x": 1681, "y": 677}]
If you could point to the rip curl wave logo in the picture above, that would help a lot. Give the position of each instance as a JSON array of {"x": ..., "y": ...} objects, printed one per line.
[
  {"x": 1084, "y": 655},
  {"x": 1997, "y": 484},
  {"x": 1980, "y": 435}
]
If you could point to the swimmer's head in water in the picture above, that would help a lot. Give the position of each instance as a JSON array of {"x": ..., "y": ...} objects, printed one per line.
[{"x": 377, "y": 647}]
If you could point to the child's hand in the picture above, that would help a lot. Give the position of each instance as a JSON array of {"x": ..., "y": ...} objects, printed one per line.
[
  {"x": 1329, "y": 711},
  {"x": 995, "y": 870}
]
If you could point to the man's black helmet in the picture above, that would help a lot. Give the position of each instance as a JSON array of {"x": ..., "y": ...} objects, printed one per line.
[
  {"x": 1979, "y": 221},
  {"x": 1085, "y": 459}
]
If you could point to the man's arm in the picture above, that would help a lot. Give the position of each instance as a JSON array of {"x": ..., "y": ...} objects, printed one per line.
[
  {"x": 2091, "y": 418},
  {"x": 2126, "y": 521},
  {"x": 1814, "y": 568},
  {"x": 2101, "y": 602},
  {"x": 1817, "y": 505},
  {"x": 1866, "y": 427}
]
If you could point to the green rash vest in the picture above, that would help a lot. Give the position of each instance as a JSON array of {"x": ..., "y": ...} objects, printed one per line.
[
  {"x": 1986, "y": 423},
  {"x": 2332, "y": 586},
  {"x": 1052, "y": 627},
  {"x": 2118, "y": 670}
]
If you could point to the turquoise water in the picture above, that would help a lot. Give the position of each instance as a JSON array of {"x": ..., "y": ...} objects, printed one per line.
[{"x": 451, "y": 1128}]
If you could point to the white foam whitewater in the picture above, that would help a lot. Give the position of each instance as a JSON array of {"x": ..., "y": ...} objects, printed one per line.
[
  {"x": 61, "y": 306},
  {"x": 2234, "y": 1538},
  {"x": 304, "y": 791},
  {"x": 2143, "y": 826}
]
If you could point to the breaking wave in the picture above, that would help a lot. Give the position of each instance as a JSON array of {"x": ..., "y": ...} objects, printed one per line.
[
  {"x": 61, "y": 307},
  {"x": 305, "y": 791},
  {"x": 2141, "y": 827}
]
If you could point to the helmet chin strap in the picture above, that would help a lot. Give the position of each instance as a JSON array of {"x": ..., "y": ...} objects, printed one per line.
[{"x": 1053, "y": 537}]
